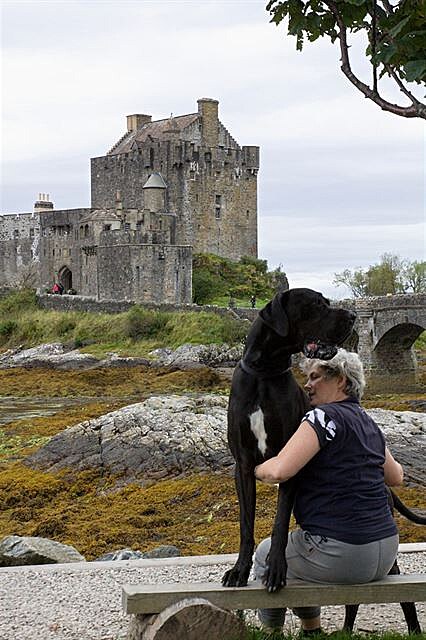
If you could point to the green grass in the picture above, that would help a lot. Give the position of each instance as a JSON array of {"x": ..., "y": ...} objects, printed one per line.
[
  {"x": 135, "y": 332},
  {"x": 258, "y": 634}
]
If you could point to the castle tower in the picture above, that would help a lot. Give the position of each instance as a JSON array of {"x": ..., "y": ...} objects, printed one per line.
[
  {"x": 206, "y": 179},
  {"x": 153, "y": 193}
]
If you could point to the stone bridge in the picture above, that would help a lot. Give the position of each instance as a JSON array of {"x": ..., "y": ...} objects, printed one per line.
[{"x": 385, "y": 331}]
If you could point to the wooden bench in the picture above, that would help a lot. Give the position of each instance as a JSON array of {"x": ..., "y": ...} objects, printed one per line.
[{"x": 200, "y": 610}]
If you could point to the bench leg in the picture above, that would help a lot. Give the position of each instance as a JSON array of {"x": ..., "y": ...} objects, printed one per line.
[
  {"x": 409, "y": 609},
  {"x": 192, "y": 619}
]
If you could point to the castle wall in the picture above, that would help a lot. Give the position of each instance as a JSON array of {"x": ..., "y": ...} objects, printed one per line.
[
  {"x": 19, "y": 247},
  {"x": 129, "y": 270},
  {"x": 60, "y": 246}
]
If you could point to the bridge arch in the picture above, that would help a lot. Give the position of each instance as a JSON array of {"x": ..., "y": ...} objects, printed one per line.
[{"x": 387, "y": 327}]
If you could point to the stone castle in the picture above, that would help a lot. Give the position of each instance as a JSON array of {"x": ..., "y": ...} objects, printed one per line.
[{"x": 166, "y": 189}]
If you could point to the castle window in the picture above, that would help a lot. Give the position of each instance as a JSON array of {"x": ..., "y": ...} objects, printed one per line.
[
  {"x": 15, "y": 233},
  {"x": 138, "y": 275},
  {"x": 208, "y": 156},
  {"x": 248, "y": 213},
  {"x": 86, "y": 230},
  {"x": 31, "y": 232},
  {"x": 127, "y": 226},
  {"x": 151, "y": 158},
  {"x": 53, "y": 252},
  {"x": 218, "y": 206},
  {"x": 160, "y": 224},
  {"x": 107, "y": 227}
]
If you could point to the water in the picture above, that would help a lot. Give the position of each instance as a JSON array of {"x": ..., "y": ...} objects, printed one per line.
[{"x": 19, "y": 408}]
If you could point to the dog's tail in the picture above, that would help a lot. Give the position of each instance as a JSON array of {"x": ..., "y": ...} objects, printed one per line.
[{"x": 405, "y": 511}]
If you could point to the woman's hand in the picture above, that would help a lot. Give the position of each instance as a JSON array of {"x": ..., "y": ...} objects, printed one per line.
[{"x": 301, "y": 447}]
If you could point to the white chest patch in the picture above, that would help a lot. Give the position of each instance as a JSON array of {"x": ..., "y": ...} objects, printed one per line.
[{"x": 257, "y": 425}]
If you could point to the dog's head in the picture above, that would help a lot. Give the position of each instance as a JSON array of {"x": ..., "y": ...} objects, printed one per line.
[{"x": 307, "y": 321}]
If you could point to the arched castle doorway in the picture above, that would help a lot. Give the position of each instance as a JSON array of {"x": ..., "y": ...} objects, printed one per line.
[{"x": 65, "y": 278}]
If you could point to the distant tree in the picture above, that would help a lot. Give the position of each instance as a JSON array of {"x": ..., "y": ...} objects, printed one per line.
[
  {"x": 415, "y": 276},
  {"x": 392, "y": 275},
  {"x": 395, "y": 31}
]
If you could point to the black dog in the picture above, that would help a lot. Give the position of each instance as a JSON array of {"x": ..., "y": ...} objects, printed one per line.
[
  {"x": 266, "y": 406},
  {"x": 408, "y": 608}
]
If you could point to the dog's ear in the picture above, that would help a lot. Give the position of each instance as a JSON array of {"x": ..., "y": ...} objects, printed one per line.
[{"x": 274, "y": 314}]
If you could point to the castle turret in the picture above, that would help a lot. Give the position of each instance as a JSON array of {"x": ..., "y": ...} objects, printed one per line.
[
  {"x": 208, "y": 111},
  {"x": 43, "y": 203},
  {"x": 154, "y": 191}
]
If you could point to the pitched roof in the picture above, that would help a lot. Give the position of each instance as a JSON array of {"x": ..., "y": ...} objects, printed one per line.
[{"x": 157, "y": 130}]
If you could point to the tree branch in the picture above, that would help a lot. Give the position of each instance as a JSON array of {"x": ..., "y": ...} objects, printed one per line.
[{"x": 417, "y": 109}]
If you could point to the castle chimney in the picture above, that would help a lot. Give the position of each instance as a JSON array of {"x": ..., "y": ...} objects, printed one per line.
[
  {"x": 208, "y": 112},
  {"x": 137, "y": 120},
  {"x": 43, "y": 203}
]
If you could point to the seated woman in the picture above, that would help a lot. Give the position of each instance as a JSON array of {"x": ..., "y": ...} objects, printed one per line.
[{"x": 347, "y": 533}]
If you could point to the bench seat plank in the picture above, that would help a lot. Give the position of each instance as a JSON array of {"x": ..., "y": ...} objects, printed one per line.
[{"x": 153, "y": 598}]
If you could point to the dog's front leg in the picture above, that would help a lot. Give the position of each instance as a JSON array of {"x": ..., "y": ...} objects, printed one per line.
[
  {"x": 277, "y": 564},
  {"x": 246, "y": 490}
]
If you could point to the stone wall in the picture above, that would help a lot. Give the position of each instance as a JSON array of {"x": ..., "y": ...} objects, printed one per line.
[
  {"x": 143, "y": 272},
  {"x": 19, "y": 247},
  {"x": 60, "y": 246}
]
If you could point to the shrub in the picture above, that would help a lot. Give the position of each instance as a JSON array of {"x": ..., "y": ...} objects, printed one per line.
[
  {"x": 7, "y": 328},
  {"x": 21, "y": 300},
  {"x": 143, "y": 323},
  {"x": 206, "y": 286}
]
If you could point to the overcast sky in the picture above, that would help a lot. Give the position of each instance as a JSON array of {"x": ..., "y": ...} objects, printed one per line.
[{"x": 340, "y": 183}]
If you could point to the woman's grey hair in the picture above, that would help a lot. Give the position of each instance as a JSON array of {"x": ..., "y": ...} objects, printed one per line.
[{"x": 345, "y": 363}]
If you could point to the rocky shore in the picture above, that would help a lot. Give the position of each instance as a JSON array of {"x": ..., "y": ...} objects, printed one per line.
[
  {"x": 171, "y": 436},
  {"x": 59, "y": 356}
]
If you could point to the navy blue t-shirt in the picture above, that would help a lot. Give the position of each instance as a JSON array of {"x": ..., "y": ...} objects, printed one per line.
[{"x": 341, "y": 492}]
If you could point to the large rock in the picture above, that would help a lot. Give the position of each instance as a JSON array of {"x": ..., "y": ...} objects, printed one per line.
[
  {"x": 212, "y": 355},
  {"x": 17, "y": 550},
  {"x": 59, "y": 356},
  {"x": 169, "y": 436},
  {"x": 160, "y": 437},
  {"x": 54, "y": 355},
  {"x": 405, "y": 433}
]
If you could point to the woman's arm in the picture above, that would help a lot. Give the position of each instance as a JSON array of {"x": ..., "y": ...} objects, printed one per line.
[
  {"x": 394, "y": 475},
  {"x": 301, "y": 447}
]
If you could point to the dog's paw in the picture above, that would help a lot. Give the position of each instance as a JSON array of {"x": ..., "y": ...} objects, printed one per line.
[
  {"x": 275, "y": 578},
  {"x": 236, "y": 577}
]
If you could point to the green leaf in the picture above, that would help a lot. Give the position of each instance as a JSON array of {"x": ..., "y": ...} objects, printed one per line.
[
  {"x": 398, "y": 27},
  {"x": 415, "y": 70}
]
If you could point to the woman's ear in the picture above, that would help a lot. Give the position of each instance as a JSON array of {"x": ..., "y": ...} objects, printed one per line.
[{"x": 342, "y": 382}]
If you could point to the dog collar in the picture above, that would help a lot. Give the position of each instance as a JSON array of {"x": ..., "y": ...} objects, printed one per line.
[{"x": 261, "y": 374}]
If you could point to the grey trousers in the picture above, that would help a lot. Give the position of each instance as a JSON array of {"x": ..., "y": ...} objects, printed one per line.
[{"x": 318, "y": 559}]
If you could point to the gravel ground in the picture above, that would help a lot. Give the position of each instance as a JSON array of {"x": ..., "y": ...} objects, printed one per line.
[{"x": 83, "y": 601}]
